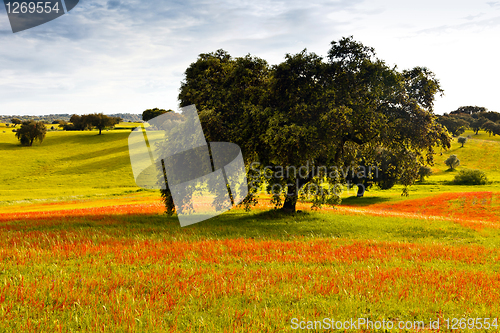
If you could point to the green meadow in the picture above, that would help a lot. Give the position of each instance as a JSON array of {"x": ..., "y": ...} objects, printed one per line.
[
  {"x": 67, "y": 165},
  {"x": 110, "y": 261},
  {"x": 71, "y": 165}
]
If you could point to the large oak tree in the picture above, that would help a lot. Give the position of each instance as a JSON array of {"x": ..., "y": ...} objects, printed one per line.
[{"x": 316, "y": 112}]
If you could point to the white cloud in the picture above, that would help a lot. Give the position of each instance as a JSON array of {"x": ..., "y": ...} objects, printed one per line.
[{"x": 126, "y": 56}]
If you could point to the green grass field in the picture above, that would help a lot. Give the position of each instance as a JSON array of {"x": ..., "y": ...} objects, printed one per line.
[
  {"x": 85, "y": 250},
  {"x": 66, "y": 165},
  {"x": 241, "y": 272},
  {"x": 74, "y": 165}
]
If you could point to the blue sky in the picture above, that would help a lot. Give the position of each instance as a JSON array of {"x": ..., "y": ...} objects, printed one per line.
[{"x": 127, "y": 56}]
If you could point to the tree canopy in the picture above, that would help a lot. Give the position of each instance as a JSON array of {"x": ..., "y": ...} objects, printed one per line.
[
  {"x": 101, "y": 121},
  {"x": 16, "y": 121},
  {"x": 452, "y": 161},
  {"x": 89, "y": 121},
  {"x": 316, "y": 112},
  {"x": 153, "y": 113},
  {"x": 31, "y": 131},
  {"x": 454, "y": 124},
  {"x": 478, "y": 124},
  {"x": 462, "y": 140},
  {"x": 491, "y": 127},
  {"x": 469, "y": 110}
]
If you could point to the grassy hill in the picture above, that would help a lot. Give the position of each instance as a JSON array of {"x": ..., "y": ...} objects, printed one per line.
[
  {"x": 77, "y": 164},
  {"x": 65, "y": 165},
  {"x": 479, "y": 152}
]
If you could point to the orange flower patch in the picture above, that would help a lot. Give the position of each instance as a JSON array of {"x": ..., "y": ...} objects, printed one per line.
[
  {"x": 91, "y": 212},
  {"x": 475, "y": 210}
]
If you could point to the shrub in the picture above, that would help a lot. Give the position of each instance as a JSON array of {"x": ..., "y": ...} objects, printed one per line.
[
  {"x": 452, "y": 161},
  {"x": 470, "y": 177},
  {"x": 462, "y": 140},
  {"x": 423, "y": 172}
]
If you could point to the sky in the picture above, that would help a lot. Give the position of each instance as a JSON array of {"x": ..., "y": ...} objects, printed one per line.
[{"x": 127, "y": 56}]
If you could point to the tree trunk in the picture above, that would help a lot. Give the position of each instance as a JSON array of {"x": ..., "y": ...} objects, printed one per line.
[
  {"x": 100, "y": 131},
  {"x": 361, "y": 190},
  {"x": 290, "y": 200},
  {"x": 293, "y": 194}
]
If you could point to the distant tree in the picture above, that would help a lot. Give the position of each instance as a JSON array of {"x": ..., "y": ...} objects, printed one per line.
[
  {"x": 454, "y": 125},
  {"x": 488, "y": 127},
  {"x": 378, "y": 166},
  {"x": 79, "y": 123},
  {"x": 423, "y": 172},
  {"x": 464, "y": 116},
  {"x": 59, "y": 122},
  {"x": 101, "y": 121},
  {"x": 490, "y": 115},
  {"x": 452, "y": 162},
  {"x": 478, "y": 124},
  {"x": 153, "y": 113},
  {"x": 491, "y": 128},
  {"x": 16, "y": 121},
  {"x": 30, "y": 131},
  {"x": 75, "y": 119},
  {"x": 89, "y": 121},
  {"x": 469, "y": 110},
  {"x": 462, "y": 140}
]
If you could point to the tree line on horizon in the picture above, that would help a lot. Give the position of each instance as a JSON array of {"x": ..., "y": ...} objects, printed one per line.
[
  {"x": 474, "y": 117},
  {"x": 35, "y": 130},
  {"x": 31, "y": 130},
  {"x": 64, "y": 117}
]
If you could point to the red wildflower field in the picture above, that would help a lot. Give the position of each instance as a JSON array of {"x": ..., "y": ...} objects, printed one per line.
[
  {"x": 94, "y": 212},
  {"x": 128, "y": 268},
  {"x": 471, "y": 209}
]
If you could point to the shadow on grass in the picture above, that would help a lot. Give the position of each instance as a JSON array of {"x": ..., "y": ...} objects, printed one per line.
[
  {"x": 274, "y": 224},
  {"x": 5, "y": 146},
  {"x": 257, "y": 224},
  {"x": 365, "y": 201},
  {"x": 99, "y": 153},
  {"x": 85, "y": 137}
]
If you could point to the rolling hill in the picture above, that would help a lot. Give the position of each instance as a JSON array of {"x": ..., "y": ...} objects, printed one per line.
[{"x": 73, "y": 165}]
